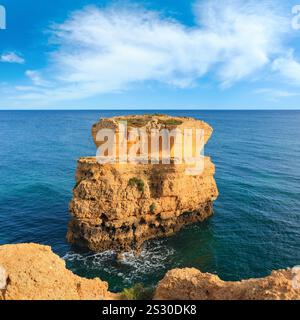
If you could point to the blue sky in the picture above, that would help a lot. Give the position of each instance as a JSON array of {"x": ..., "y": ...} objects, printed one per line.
[{"x": 79, "y": 54}]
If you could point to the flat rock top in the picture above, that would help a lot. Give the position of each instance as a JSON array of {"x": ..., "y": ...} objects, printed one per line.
[
  {"x": 151, "y": 121},
  {"x": 157, "y": 121}
]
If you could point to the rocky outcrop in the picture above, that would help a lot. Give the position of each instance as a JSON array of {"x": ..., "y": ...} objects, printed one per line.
[
  {"x": 120, "y": 205},
  {"x": 191, "y": 284},
  {"x": 34, "y": 272}
]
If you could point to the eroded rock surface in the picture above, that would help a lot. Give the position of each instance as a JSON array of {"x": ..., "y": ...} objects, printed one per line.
[
  {"x": 119, "y": 206},
  {"x": 191, "y": 284},
  {"x": 34, "y": 272}
]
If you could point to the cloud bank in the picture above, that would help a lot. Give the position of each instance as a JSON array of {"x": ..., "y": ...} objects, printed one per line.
[{"x": 110, "y": 50}]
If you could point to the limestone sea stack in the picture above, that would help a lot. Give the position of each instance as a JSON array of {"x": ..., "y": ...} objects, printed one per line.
[{"x": 119, "y": 205}]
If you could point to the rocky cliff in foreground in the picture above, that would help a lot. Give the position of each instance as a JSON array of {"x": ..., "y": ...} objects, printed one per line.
[
  {"x": 191, "y": 284},
  {"x": 34, "y": 272},
  {"x": 120, "y": 205}
]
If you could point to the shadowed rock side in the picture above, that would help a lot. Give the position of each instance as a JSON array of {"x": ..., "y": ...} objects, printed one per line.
[
  {"x": 191, "y": 284},
  {"x": 119, "y": 206},
  {"x": 34, "y": 272}
]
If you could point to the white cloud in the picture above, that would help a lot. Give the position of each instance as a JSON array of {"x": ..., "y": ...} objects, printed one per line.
[
  {"x": 288, "y": 67},
  {"x": 274, "y": 94},
  {"x": 36, "y": 78},
  {"x": 11, "y": 57},
  {"x": 109, "y": 50},
  {"x": 246, "y": 35}
]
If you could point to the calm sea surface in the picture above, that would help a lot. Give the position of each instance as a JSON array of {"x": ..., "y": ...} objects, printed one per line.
[{"x": 256, "y": 226}]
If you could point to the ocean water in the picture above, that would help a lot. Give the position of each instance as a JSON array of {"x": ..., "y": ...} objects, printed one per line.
[{"x": 256, "y": 225}]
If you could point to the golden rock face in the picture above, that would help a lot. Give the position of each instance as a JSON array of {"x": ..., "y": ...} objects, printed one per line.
[
  {"x": 120, "y": 205},
  {"x": 192, "y": 284},
  {"x": 34, "y": 272},
  {"x": 187, "y": 136}
]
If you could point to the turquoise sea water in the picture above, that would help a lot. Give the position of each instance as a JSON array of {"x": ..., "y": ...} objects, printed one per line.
[{"x": 256, "y": 226}]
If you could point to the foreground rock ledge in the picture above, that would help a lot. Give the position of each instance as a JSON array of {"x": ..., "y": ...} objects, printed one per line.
[
  {"x": 34, "y": 272},
  {"x": 191, "y": 284},
  {"x": 119, "y": 206}
]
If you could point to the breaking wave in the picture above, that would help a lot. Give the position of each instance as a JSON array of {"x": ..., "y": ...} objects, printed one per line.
[{"x": 153, "y": 261}]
